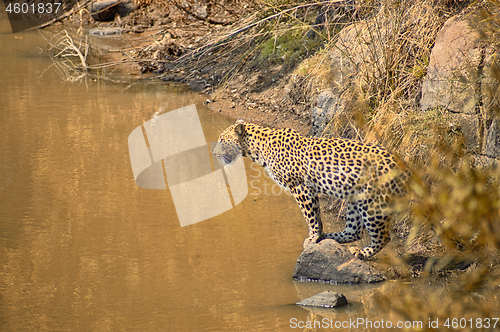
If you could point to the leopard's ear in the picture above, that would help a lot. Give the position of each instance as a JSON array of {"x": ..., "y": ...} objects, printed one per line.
[{"x": 239, "y": 129}]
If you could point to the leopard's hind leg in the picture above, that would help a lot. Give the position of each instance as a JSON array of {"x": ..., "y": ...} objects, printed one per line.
[
  {"x": 379, "y": 234},
  {"x": 353, "y": 226},
  {"x": 377, "y": 223}
]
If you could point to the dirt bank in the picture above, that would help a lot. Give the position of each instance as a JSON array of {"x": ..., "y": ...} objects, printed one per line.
[{"x": 174, "y": 42}]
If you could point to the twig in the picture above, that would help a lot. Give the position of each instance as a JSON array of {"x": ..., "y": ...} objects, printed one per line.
[
  {"x": 215, "y": 44},
  {"x": 206, "y": 19},
  {"x": 68, "y": 48}
]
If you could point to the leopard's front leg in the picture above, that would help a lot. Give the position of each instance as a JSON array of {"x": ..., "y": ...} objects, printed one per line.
[{"x": 308, "y": 201}]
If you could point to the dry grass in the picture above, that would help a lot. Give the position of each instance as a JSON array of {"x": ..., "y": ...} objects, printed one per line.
[{"x": 389, "y": 58}]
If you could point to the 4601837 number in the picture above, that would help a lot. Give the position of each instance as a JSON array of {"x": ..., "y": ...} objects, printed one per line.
[
  {"x": 471, "y": 323},
  {"x": 33, "y": 8}
]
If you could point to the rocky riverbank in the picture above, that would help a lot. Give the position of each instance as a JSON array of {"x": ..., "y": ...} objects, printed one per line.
[{"x": 420, "y": 77}]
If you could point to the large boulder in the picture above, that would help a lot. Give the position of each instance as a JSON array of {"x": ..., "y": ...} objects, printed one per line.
[
  {"x": 461, "y": 79},
  {"x": 331, "y": 14},
  {"x": 357, "y": 49},
  {"x": 356, "y": 61},
  {"x": 330, "y": 262}
]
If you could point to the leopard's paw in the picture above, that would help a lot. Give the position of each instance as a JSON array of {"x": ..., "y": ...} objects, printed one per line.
[
  {"x": 310, "y": 241},
  {"x": 356, "y": 252}
]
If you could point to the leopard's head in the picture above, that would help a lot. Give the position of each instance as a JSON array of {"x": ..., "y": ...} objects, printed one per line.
[{"x": 229, "y": 144}]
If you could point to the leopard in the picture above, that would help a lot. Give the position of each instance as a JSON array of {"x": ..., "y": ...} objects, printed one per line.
[{"x": 365, "y": 176}]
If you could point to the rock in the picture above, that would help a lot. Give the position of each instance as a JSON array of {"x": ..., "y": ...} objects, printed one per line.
[
  {"x": 105, "y": 31},
  {"x": 326, "y": 299},
  {"x": 330, "y": 262},
  {"x": 327, "y": 106},
  {"x": 469, "y": 125},
  {"x": 104, "y": 10},
  {"x": 357, "y": 49},
  {"x": 461, "y": 79},
  {"x": 453, "y": 66},
  {"x": 492, "y": 140}
]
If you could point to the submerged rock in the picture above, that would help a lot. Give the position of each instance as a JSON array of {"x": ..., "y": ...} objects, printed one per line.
[
  {"x": 330, "y": 262},
  {"x": 105, "y": 31},
  {"x": 326, "y": 299}
]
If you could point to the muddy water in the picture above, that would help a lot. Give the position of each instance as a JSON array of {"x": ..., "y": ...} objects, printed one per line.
[{"x": 82, "y": 248}]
